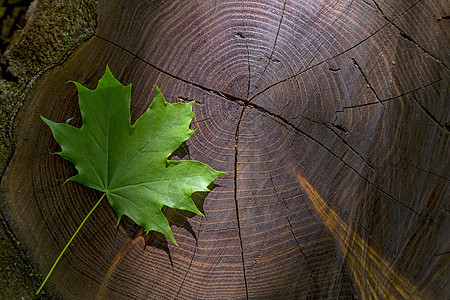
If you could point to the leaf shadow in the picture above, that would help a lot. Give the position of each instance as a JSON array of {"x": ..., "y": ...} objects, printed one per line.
[
  {"x": 176, "y": 217},
  {"x": 181, "y": 152}
]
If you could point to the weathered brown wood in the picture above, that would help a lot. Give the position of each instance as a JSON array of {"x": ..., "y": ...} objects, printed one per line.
[{"x": 330, "y": 118}]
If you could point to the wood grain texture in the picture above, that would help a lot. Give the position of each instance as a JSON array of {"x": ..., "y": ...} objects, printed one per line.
[{"x": 330, "y": 118}]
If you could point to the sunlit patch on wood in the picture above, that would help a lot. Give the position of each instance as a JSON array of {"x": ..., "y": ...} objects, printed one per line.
[{"x": 375, "y": 276}]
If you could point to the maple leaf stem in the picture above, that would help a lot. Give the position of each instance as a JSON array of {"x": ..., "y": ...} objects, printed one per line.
[{"x": 68, "y": 243}]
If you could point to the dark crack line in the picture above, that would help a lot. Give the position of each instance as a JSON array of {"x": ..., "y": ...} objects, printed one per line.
[
  {"x": 278, "y": 31},
  {"x": 335, "y": 255},
  {"x": 248, "y": 56},
  {"x": 286, "y": 123},
  {"x": 236, "y": 153},
  {"x": 365, "y": 229},
  {"x": 303, "y": 254},
  {"x": 349, "y": 146},
  {"x": 428, "y": 172},
  {"x": 242, "y": 102},
  {"x": 249, "y": 70},
  {"x": 280, "y": 119},
  {"x": 275, "y": 42},
  {"x": 318, "y": 18},
  {"x": 260, "y": 252},
  {"x": 404, "y": 12},
  {"x": 218, "y": 93},
  {"x": 334, "y": 132},
  {"x": 190, "y": 264},
  {"x": 407, "y": 37},
  {"x": 366, "y": 2},
  {"x": 366, "y": 80},
  {"x": 94, "y": 234},
  {"x": 393, "y": 98},
  {"x": 343, "y": 267},
  {"x": 292, "y": 230},
  {"x": 308, "y": 67},
  {"x": 337, "y": 174},
  {"x": 427, "y": 112}
]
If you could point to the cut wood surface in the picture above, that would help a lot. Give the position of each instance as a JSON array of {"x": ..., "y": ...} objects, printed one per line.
[{"x": 331, "y": 119}]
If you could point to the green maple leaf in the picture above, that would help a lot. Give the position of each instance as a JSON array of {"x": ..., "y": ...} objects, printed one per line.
[{"x": 129, "y": 163}]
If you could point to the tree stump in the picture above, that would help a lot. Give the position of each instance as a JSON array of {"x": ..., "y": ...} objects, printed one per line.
[{"x": 331, "y": 119}]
